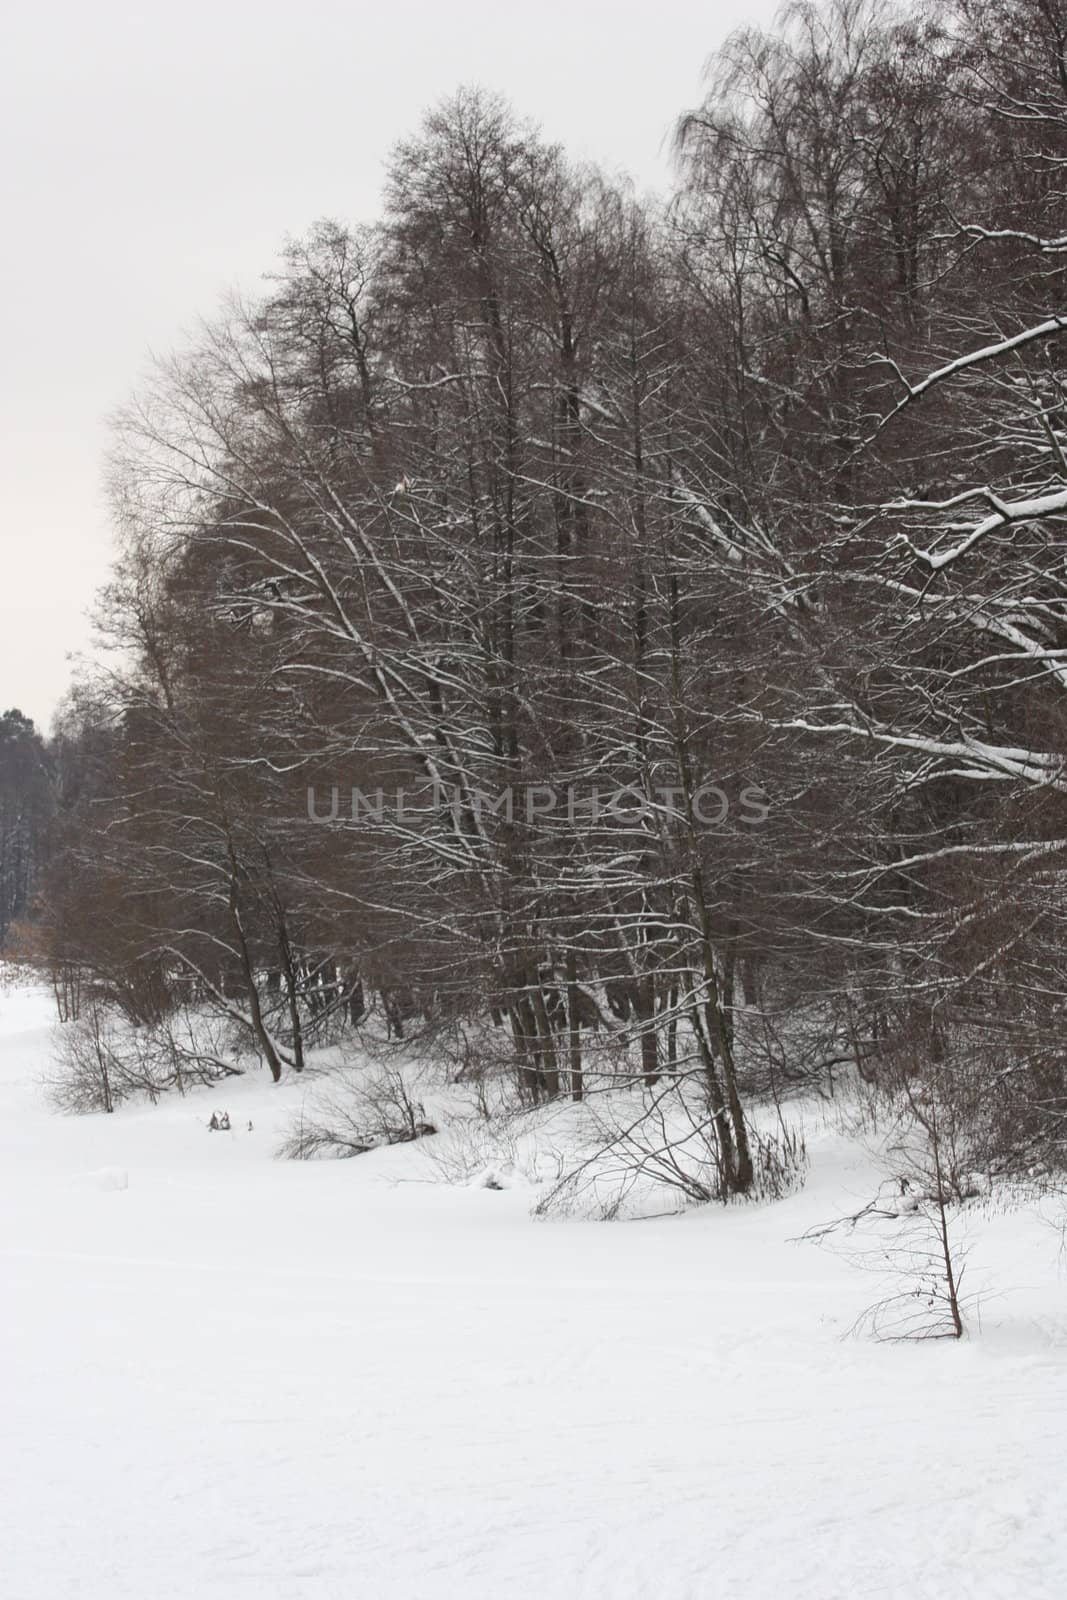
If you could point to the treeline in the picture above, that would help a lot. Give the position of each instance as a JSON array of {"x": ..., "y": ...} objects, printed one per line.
[
  {"x": 694, "y": 570},
  {"x": 28, "y": 792}
]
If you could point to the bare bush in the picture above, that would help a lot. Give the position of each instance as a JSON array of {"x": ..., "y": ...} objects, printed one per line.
[
  {"x": 667, "y": 1150},
  {"x": 789, "y": 1052},
  {"x": 86, "y": 1076},
  {"x": 361, "y": 1110},
  {"x": 908, "y": 1232},
  {"x": 102, "y": 1060}
]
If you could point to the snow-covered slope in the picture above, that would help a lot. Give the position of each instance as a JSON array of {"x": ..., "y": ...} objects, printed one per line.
[{"x": 226, "y": 1376}]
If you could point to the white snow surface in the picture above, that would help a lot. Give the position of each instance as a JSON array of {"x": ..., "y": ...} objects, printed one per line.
[{"x": 223, "y": 1375}]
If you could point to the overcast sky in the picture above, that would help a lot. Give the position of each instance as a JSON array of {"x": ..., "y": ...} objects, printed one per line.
[{"x": 155, "y": 155}]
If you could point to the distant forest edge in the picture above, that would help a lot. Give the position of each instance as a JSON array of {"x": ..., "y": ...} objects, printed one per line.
[
  {"x": 29, "y": 784},
  {"x": 534, "y": 486}
]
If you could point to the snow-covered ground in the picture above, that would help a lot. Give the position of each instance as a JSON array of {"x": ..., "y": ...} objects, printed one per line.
[{"x": 222, "y": 1375}]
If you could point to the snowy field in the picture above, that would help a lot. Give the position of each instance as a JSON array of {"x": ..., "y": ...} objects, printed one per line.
[{"x": 224, "y": 1376}]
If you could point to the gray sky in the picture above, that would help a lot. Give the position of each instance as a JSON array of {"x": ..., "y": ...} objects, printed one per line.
[{"x": 156, "y": 155}]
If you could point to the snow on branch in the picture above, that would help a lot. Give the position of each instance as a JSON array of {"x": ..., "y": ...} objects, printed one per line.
[
  {"x": 1003, "y": 515},
  {"x": 1046, "y": 246},
  {"x": 989, "y": 352},
  {"x": 1036, "y": 767}
]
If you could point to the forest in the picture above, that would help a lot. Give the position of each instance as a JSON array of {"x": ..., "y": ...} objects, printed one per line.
[{"x": 616, "y": 644}]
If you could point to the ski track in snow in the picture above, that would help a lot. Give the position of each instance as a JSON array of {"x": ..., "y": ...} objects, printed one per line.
[{"x": 241, "y": 1377}]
